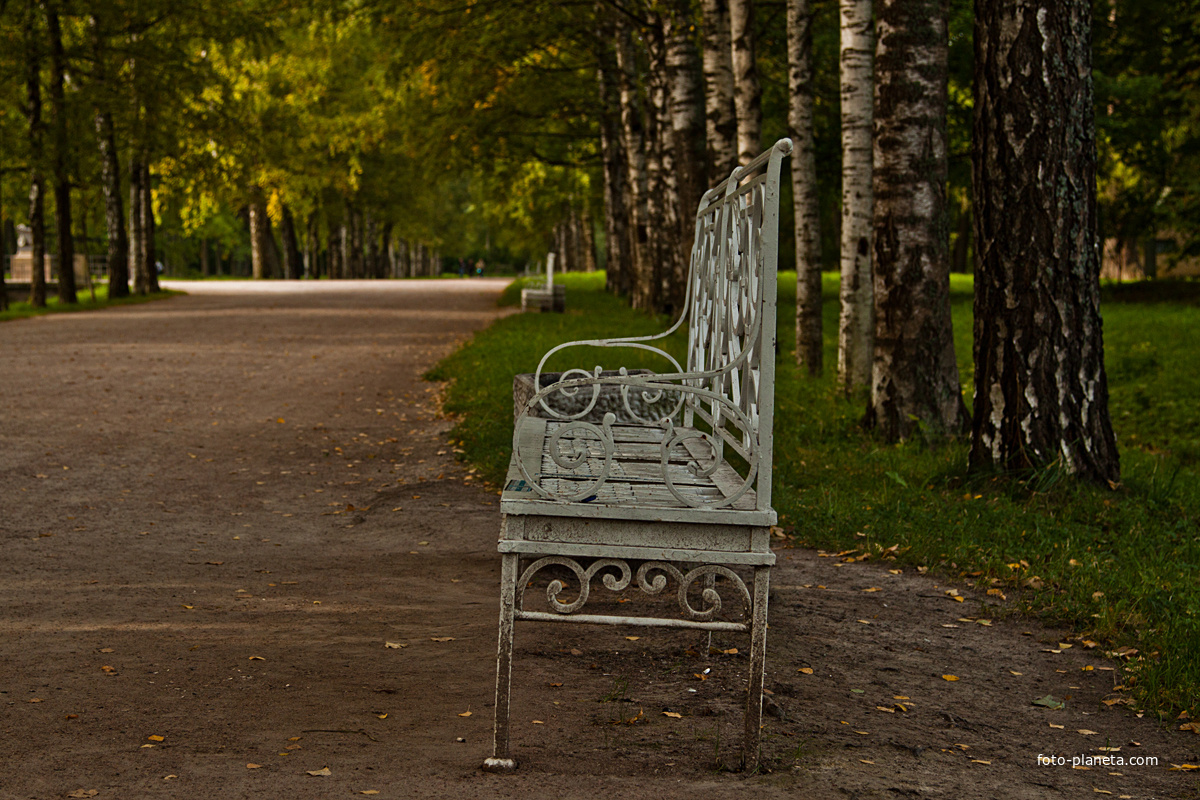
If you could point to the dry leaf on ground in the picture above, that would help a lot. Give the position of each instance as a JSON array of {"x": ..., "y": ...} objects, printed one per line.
[{"x": 320, "y": 773}]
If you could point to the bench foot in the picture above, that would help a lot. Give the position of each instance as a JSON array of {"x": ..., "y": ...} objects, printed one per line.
[
  {"x": 499, "y": 766},
  {"x": 758, "y": 660}
]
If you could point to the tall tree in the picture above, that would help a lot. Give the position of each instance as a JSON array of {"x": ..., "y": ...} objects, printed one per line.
[
  {"x": 720, "y": 116},
  {"x": 110, "y": 168},
  {"x": 857, "y": 73},
  {"x": 36, "y": 137},
  {"x": 1041, "y": 394},
  {"x": 809, "y": 336},
  {"x": 62, "y": 178},
  {"x": 137, "y": 228},
  {"x": 747, "y": 92},
  {"x": 686, "y": 140},
  {"x": 914, "y": 383}
]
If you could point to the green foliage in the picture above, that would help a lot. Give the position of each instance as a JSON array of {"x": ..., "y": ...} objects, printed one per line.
[{"x": 1117, "y": 566}]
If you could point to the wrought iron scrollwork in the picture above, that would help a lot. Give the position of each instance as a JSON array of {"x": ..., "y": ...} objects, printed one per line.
[{"x": 652, "y": 578}]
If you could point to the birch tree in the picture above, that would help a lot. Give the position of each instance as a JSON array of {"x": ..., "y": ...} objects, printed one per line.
[
  {"x": 809, "y": 337},
  {"x": 720, "y": 117},
  {"x": 856, "y": 72},
  {"x": 36, "y": 139},
  {"x": 1041, "y": 393},
  {"x": 747, "y": 93},
  {"x": 62, "y": 178},
  {"x": 914, "y": 383}
]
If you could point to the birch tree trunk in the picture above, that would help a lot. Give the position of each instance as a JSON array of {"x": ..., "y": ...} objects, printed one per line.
[
  {"x": 62, "y": 178},
  {"x": 809, "y": 335},
  {"x": 1041, "y": 393},
  {"x": 720, "y": 117},
  {"x": 260, "y": 259},
  {"x": 747, "y": 94},
  {"x": 619, "y": 262},
  {"x": 687, "y": 145},
  {"x": 855, "y": 323},
  {"x": 110, "y": 175},
  {"x": 148, "y": 228},
  {"x": 36, "y": 138},
  {"x": 633, "y": 134},
  {"x": 137, "y": 228},
  {"x": 914, "y": 382}
]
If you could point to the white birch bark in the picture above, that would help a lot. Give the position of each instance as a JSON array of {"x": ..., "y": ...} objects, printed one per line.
[
  {"x": 720, "y": 117},
  {"x": 856, "y": 324},
  {"x": 809, "y": 340},
  {"x": 747, "y": 95}
]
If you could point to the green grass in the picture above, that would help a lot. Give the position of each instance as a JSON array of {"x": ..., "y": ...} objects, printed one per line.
[
  {"x": 1119, "y": 567},
  {"x": 23, "y": 309}
]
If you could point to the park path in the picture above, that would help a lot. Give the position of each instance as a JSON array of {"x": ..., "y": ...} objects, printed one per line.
[{"x": 216, "y": 511}]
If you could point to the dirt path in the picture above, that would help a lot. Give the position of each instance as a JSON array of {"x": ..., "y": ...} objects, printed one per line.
[{"x": 216, "y": 510}]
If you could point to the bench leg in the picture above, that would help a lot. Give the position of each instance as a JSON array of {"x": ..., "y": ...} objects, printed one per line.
[
  {"x": 500, "y": 760},
  {"x": 758, "y": 659}
]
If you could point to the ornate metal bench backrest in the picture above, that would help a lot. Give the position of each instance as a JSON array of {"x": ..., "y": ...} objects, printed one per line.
[{"x": 724, "y": 396}]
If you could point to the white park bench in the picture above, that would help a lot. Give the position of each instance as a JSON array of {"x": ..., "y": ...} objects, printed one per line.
[{"x": 655, "y": 479}]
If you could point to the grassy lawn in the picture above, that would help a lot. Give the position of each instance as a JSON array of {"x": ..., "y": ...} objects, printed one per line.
[
  {"x": 23, "y": 309},
  {"x": 1122, "y": 568}
]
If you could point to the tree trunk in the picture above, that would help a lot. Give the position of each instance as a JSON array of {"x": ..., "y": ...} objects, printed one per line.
[
  {"x": 618, "y": 263},
  {"x": 809, "y": 334},
  {"x": 137, "y": 229},
  {"x": 260, "y": 226},
  {"x": 384, "y": 270},
  {"x": 687, "y": 143},
  {"x": 370, "y": 247},
  {"x": 334, "y": 251},
  {"x": 633, "y": 132},
  {"x": 312, "y": 247},
  {"x": 914, "y": 386},
  {"x": 204, "y": 268},
  {"x": 37, "y": 188},
  {"x": 148, "y": 229},
  {"x": 588, "y": 242},
  {"x": 720, "y": 117},
  {"x": 110, "y": 174},
  {"x": 747, "y": 94},
  {"x": 291, "y": 251},
  {"x": 1041, "y": 394},
  {"x": 855, "y": 324},
  {"x": 62, "y": 179}
]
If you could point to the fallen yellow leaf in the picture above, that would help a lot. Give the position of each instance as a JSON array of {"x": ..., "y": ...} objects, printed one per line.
[
  {"x": 949, "y": 677},
  {"x": 465, "y": 714},
  {"x": 1060, "y": 727},
  {"x": 1086, "y": 732},
  {"x": 538, "y": 722},
  {"x": 1014, "y": 672},
  {"x": 633, "y": 638},
  {"x": 979, "y": 761},
  {"x": 673, "y": 714},
  {"x": 257, "y": 658},
  {"x": 382, "y": 716},
  {"x": 394, "y": 645},
  {"x": 254, "y": 766},
  {"x": 154, "y": 738},
  {"x": 369, "y": 791},
  {"x": 806, "y": 670},
  {"x": 320, "y": 773},
  {"x": 441, "y": 638}
]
